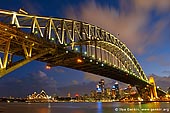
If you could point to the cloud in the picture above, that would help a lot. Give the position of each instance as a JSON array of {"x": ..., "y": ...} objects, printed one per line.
[
  {"x": 59, "y": 70},
  {"x": 92, "y": 77},
  {"x": 166, "y": 73},
  {"x": 96, "y": 78},
  {"x": 81, "y": 89},
  {"x": 32, "y": 7},
  {"x": 23, "y": 86},
  {"x": 75, "y": 82},
  {"x": 159, "y": 5},
  {"x": 42, "y": 74},
  {"x": 162, "y": 60},
  {"x": 132, "y": 21}
]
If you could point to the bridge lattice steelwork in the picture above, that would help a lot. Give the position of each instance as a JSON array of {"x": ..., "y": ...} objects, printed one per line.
[{"x": 68, "y": 43}]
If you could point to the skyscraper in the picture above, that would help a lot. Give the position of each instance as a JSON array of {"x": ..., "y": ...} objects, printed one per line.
[
  {"x": 117, "y": 90},
  {"x": 100, "y": 89},
  {"x": 100, "y": 86}
]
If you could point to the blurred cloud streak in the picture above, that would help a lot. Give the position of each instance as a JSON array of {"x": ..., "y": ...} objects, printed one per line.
[
  {"x": 161, "y": 60},
  {"x": 131, "y": 21},
  {"x": 33, "y": 82}
]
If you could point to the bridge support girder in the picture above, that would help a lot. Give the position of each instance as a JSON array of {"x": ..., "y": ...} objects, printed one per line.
[
  {"x": 3, "y": 63},
  {"x": 144, "y": 92},
  {"x": 147, "y": 93},
  {"x": 20, "y": 63}
]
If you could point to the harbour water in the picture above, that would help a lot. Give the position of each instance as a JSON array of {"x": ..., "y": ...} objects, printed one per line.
[{"x": 98, "y": 107}]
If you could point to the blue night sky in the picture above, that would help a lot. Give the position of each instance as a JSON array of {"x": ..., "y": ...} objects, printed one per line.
[{"x": 144, "y": 26}]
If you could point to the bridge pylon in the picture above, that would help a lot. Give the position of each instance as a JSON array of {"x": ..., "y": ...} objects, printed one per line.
[
  {"x": 153, "y": 88},
  {"x": 148, "y": 92}
]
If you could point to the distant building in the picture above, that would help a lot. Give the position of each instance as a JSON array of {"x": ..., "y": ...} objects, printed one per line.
[
  {"x": 113, "y": 92},
  {"x": 100, "y": 86},
  {"x": 41, "y": 97},
  {"x": 117, "y": 90},
  {"x": 107, "y": 93},
  {"x": 168, "y": 90},
  {"x": 68, "y": 95},
  {"x": 100, "y": 89},
  {"x": 93, "y": 94}
]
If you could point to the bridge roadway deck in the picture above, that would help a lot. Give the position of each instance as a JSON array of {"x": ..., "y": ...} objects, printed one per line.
[
  {"x": 69, "y": 60},
  {"x": 87, "y": 65}
]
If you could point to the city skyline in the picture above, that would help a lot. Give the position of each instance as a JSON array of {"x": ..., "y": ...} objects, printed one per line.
[
  {"x": 142, "y": 27},
  {"x": 115, "y": 93}
]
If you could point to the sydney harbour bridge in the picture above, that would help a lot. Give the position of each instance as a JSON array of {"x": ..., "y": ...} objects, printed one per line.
[{"x": 69, "y": 43}]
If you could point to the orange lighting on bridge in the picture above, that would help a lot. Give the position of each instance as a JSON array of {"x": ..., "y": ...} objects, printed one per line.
[
  {"x": 48, "y": 67},
  {"x": 79, "y": 60}
]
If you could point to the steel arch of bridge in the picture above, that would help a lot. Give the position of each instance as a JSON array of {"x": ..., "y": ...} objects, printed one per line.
[{"x": 89, "y": 40}]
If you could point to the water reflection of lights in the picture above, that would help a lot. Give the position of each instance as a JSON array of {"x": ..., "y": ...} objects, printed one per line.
[
  {"x": 49, "y": 108},
  {"x": 99, "y": 107},
  {"x": 44, "y": 109}
]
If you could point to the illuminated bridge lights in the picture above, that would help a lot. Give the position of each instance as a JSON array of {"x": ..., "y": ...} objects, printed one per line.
[
  {"x": 36, "y": 32},
  {"x": 32, "y": 44},
  {"x": 66, "y": 51},
  {"x": 76, "y": 49},
  {"x": 126, "y": 70},
  {"x": 126, "y": 74},
  {"x": 130, "y": 72},
  {"x": 91, "y": 60},
  {"x": 79, "y": 60},
  {"x": 52, "y": 39},
  {"x": 26, "y": 36},
  {"x": 48, "y": 67}
]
